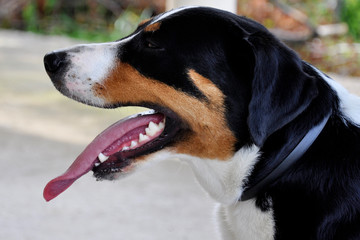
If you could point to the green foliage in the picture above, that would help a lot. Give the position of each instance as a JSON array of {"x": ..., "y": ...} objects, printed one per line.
[
  {"x": 80, "y": 20},
  {"x": 351, "y": 15},
  {"x": 30, "y": 17}
]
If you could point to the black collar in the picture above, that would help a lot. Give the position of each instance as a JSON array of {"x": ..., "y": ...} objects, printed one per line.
[{"x": 299, "y": 150}]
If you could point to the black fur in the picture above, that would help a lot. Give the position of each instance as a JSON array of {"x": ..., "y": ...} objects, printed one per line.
[
  {"x": 319, "y": 198},
  {"x": 272, "y": 99}
]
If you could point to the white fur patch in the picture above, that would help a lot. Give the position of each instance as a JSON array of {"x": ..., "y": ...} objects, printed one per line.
[
  {"x": 93, "y": 61},
  {"x": 224, "y": 180},
  {"x": 245, "y": 221},
  {"x": 89, "y": 64}
]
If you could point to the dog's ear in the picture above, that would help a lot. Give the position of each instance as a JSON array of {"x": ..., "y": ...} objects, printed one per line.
[{"x": 281, "y": 90}]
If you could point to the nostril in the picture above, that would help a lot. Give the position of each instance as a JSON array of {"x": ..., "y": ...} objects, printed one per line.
[{"x": 54, "y": 61}]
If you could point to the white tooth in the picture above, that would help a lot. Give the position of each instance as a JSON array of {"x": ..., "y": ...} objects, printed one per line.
[
  {"x": 125, "y": 148},
  {"x": 162, "y": 125},
  {"x": 152, "y": 129},
  {"x": 147, "y": 131},
  {"x": 153, "y": 125},
  {"x": 102, "y": 157},
  {"x": 133, "y": 144},
  {"x": 143, "y": 138},
  {"x": 97, "y": 164}
]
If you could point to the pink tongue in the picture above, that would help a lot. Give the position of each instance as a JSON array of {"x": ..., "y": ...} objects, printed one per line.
[{"x": 87, "y": 159}]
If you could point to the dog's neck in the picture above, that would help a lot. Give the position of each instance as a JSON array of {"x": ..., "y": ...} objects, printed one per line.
[{"x": 285, "y": 159}]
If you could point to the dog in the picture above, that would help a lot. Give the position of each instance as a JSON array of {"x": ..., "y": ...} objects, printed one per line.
[{"x": 272, "y": 139}]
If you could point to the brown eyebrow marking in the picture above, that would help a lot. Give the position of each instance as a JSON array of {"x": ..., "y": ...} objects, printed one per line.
[
  {"x": 153, "y": 27},
  {"x": 207, "y": 88},
  {"x": 145, "y": 21}
]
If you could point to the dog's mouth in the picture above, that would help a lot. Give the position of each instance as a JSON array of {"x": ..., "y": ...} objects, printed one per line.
[{"x": 115, "y": 149}]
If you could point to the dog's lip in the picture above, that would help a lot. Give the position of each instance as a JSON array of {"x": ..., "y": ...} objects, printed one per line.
[{"x": 87, "y": 160}]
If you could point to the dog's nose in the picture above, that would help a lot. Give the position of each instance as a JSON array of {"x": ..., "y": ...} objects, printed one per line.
[{"x": 54, "y": 61}]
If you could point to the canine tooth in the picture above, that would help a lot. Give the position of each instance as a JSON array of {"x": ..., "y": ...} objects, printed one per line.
[
  {"x": 102, "y": 157},
  {"x": 133, "y": 144},
  {"x": 152, "y": 129},
  {"x": 143, "y": 137},
  {"x": 153, "y": 125},
  {"x": 162, "y": 125}
]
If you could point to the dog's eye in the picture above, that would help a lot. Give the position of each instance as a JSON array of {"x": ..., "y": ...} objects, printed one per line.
[{"x": 151, "y": 45}]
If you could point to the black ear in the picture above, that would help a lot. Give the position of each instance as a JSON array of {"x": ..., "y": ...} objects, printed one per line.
[{"x": 281, "y": 90}]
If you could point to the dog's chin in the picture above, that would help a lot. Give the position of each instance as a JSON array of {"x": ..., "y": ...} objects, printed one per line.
[{"x": 115, "y": 172}]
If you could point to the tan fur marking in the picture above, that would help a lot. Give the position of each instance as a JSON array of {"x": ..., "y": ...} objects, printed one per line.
[
  {"x": 208, "y": 89},
  {"x": 144, "y": 21},
  {"x": 210, "y": 135},
  {"x": 152, "y": 27}
]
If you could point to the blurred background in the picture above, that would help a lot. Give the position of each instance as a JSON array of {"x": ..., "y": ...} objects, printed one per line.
[
  {"x": 42, "y": 132},
  {"x": 326, "y": 32}
]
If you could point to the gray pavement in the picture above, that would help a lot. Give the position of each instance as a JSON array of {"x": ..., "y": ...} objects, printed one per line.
[{"x": 41, "y": 133}]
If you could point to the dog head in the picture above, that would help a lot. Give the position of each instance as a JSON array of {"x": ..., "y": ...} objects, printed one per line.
[{"x": 216, "y": 82}]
